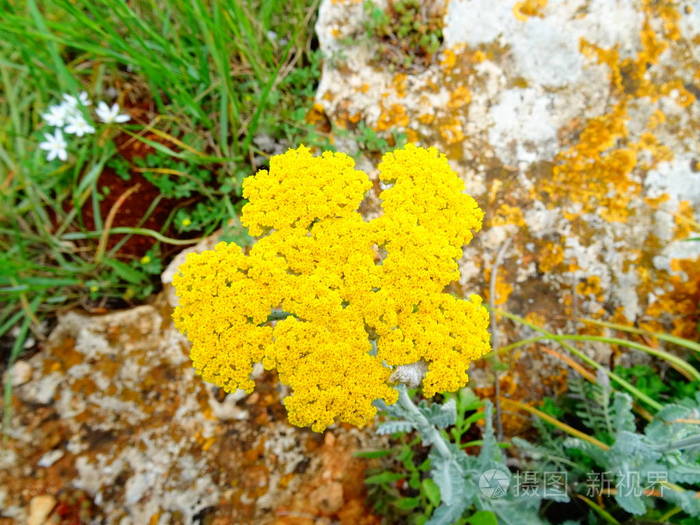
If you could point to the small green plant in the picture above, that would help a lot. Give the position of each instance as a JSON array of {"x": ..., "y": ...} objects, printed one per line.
[
  {"x": 372, "y": 143},
  {"x": 630, "y": 438},
  {"x": 407, "y": 34},
  {"x": 639, "y": 470},
  {"x": 402, "y": 489},
  {"x": 449, "y": 486}
]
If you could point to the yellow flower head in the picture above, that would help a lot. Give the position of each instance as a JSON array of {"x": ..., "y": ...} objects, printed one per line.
[{"x": 353, "y": 299}]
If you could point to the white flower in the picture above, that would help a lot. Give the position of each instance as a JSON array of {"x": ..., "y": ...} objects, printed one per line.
[
  {"x": 77, "y": 125},
  {"x": 73, "y": 102},
  {"x": 55, "y": 145},
  {"x": 109, "y": 115},
  {"x": 56, "y": 115}
]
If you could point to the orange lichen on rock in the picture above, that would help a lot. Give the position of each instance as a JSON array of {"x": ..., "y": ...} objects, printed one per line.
[
  {"x": 507, "y": 214},
  {"x": 528, "y": 8},
  {"x": 680, "y": 304},
  {"x": 451, "y": 131},
  {"x": 503, "y": 288},
  {"x": 685, "y": 221},
  {"x": 594, "y": 173},
  {"x": 399, "y": 84},
  {"x": 461, "y": 96},
  {"x": 590, "y": 286},
  {"x": 394, "y": 116},
  {"x": 449, "y": 59},
  {"x": 551, "y": 256}
]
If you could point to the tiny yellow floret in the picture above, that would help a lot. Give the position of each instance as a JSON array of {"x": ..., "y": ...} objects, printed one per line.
[{"x": 331, "y": 301}]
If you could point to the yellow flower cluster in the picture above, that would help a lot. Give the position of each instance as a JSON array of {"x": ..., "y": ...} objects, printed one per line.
[{"x": 353, "y": 299}]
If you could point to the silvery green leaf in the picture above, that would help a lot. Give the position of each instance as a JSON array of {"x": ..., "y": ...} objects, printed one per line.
[
  {"x": 632, "y": 447},
  {"x": 662, "y": 429},
  {"x": 685, "y": 499},
  {"x": 449, "y": 477},
  {"x": 395, "y": 410},
  {"x": 489, "y": 448},
  {"x": 440, "y": 415},
  {"x": 631, "y": 503},
  {"x": 623, "y": 418},
  {"x": 684, "y": 474},
  {"x": 510, "y": 513},
  {"x": 391, "y": 427},
  {"x": 600, "y": 457},
  {"x": 447, "y": 514},
  {"x": 542, "y": 455},
  {"x": 629, "y": 490}
]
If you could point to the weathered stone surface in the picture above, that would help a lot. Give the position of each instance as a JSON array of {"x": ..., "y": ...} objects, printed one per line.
[
  {"x": 575, "y": 125},
  {"x": 114, "y": 409}
]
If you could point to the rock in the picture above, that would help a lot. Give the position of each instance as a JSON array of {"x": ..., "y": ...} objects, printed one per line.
[
  {"x": 40, "y": 392},
  {"x": 569, "y": 124},
  {"x": 21, "y": 373},
  {"x": 50, "y": 458},
  {"x": 115, "y": 409},
  {"x": 39, "y": 509},
  {"x": 328, "y": 498}
]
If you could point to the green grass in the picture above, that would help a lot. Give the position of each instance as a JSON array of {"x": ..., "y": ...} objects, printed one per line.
[{"x": 208, "y": 75}]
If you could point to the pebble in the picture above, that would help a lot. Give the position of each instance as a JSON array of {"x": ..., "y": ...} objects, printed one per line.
[
  {"x": 39, "y": 509},
  {"x": 21, "y": 373},
  {"x": 51, "y": 457}
]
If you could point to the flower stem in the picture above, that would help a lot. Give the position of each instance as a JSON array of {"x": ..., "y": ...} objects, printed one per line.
[{"x": 430, "y": 434}]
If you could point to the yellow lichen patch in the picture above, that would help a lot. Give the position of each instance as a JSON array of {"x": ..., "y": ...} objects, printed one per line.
[
  {"x": 449, "y": 59},
  {"x": 459, "y": 97},
  {"x": 503, "y": 287},
  {"x": 590, "y": 286},
  {"x": 655, "y": 202},
  {"x": 400, "y": 81},
  {"x": 679, "y": 305},
  {"x": 353, "y": 299},
  {"x": 478, "y": 56},
  {"x": 677, "y": 91},
  {"x": 528, "y": 8},
  {"x": 667, "y": 12},
  {"x": 536, "y": 319},
  {"x": 550, "y": 256},
  {"x": 412, "y": 136},
  {"x": 507, "y": 214},
  {"x": 685, "y": 221},
  {"x": 451, "y": 131},
  {"x": 659, "y": 152},
  {"x": 394, "y": 116},
  {"x": 594, "y": 173},
  {"x": 426, "y": 118},
  {"x": 316, "y": 114},
  {"x": 656, "y": 119}
]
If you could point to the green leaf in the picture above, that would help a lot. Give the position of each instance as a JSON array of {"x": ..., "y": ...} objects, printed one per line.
[
  {"x": 483, "y": 517},
  {"x": 432, "y": 491},
  {"x": 125, "y": 271},
  {"x": 372, "y": 454},
  {"x": 384, "y": 478},
  {"x": 407, "y": 503}
]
